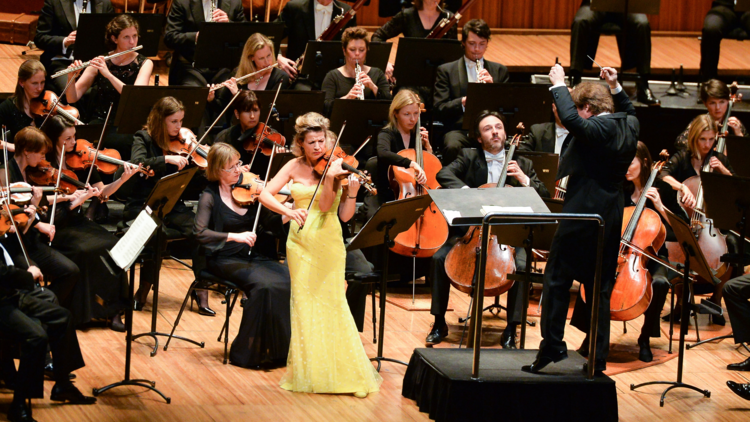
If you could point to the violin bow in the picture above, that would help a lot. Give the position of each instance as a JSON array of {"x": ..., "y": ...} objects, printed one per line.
[
  {"x": 325, "y": 171},
  {"x": 200, "y": 141},
  {"x": 98, "y": 146},
  {"x": 7, "y": 200},
  {"x": 57, "y": 186},
  {"x": 57, "y": 102},
  {"x": 268, "y": 118},
  {"x": 268, "y": 173}
]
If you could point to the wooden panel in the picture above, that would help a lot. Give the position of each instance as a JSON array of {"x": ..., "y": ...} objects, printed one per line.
[{"x": 21, "y": 6}]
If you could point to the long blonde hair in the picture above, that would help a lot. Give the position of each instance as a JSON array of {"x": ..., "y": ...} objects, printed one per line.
[
  {"x": 155, "y": 125},
  {"x": 256, "y": 42},
  {"x": 700, "y": 124},
  {"x": 26, "y": 71},
  {"x": 405, "y": 97},
  {"x": 311, "y": 122}
]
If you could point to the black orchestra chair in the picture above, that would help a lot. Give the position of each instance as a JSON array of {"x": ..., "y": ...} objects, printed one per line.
[{"x": 207, "y": 281}]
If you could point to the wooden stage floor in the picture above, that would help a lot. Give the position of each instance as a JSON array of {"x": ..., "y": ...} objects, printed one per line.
[{"x": 203, "y": 389}]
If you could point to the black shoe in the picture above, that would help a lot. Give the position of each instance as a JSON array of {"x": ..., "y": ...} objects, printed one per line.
[
  {"x": 140, "y": 297},
  {"x": 646, "y": 96},
  {"x": 599, "y": 368},
  {"x": 49, "y": 372},
  {"x": 508, "y": 339},
  {"x": 68, "y": 392},
  {"x": 205, "y": 311},
  {"x": 742, "y": 390},
  {"x": 437, "y": 335},
  {"x": 742, "y": 366},
  {"x": 20, "y": 412},
  {"x": 584, "y": 349},
  {"x": 544, "y": 359},
  {"x": 645, "y": 354},
  {"x": 718, "y": 320},
  {"x": 116, "y": 324}
]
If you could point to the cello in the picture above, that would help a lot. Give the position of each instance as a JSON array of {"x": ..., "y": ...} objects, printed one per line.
[{"x": 430, "y": 231}]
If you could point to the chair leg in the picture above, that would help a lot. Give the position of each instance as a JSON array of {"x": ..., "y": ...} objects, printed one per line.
[
  {"x": 374, "y": 318},
  {"x": 230, "y": 306},
  {"x": 179, "y": 315},
  {"x": 624, "y": 327}
]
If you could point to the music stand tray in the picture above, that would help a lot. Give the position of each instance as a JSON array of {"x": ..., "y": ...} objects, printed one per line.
[
  {"x": 363, "y": 119},
  {"x": 417, "y": 59},
  {"x": 323, "y": 56},
  {"x": 220, "y": 44},
  {"x": 290, "y": 105},
  {"x": 649, "y": 7},
  {"x": 90, "y": 40},
  {"x": 136, "y": 103},
  {"x": 518, "y": 102}
]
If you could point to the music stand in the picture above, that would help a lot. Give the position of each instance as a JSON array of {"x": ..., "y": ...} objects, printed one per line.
[
  {"x": 162, "y": 199},
  {"x": 545, "y": 165},
  {"x": 90, "y": 36},
  {"x": 518, "y": 102},
  {"x": 323, "y": 56},
  {"x": 389, "y": 220},
  {"x": 693, "y": 257},
  {"x": 740, "y": 148},
  {"x": 136, "y": 103},
  {"x": 649, "y": 7},
  {"x": 220, "y": 44},
  {"x": 363, "y": 119},
  {"x": 290, "y": 105},
  {"x": 417, "y": 59},
  {"x": 89, "y": 131},
  {"x": 116, "y": 269}
]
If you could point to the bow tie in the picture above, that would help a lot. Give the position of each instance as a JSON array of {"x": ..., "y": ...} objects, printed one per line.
[
  {"x": 499, "y": 158},
  {"x": 319, "y": 7}
]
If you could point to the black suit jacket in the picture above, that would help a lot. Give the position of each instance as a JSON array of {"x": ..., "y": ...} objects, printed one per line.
[
  {"x": 184, "y": 20},
  {"x": 541, "y": 138},
  {"x": 451, "y": 84},
  {"x": 470, "y": 169},
  {"x": 298, "y": 17},
  {"x": 57, "y": 21},
  {"x": 13, "y": 278}
]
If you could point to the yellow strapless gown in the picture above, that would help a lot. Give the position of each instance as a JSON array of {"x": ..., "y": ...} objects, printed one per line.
[{"x": 325, "y": 353}]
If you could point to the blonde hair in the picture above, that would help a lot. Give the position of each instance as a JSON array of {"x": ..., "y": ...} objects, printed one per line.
[
  {"x": 155, "y": 125},
  {"x": 700, "y": 124},
  {"x": 218, "y": 156},
  {"x": 405, "y": 97},
  {"x": 307, "y": 123},
  {"x": 28, "y": 69},
  {"x": 256, "y": 42}
]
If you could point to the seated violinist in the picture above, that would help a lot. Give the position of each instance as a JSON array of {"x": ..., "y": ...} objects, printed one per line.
[
  {"x": 16, "y": 112},
  {"x": 247, "y": 111},
  {"x": 344, "y": 82},
  {"x": 226, "y": 230},
  {"x": 471, "y": 169}
]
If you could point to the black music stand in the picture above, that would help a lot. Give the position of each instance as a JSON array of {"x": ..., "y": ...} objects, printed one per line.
[
  {"x": 90, "y": 40},
  {"x": 694, "y": 257},
  {"x": 136, "y": 103},
  {"x": 545, "y": 165},
  {"x": 740, "y": 148},
  {"x": 323, "y": 56},
  {"x": 162, "y": 199},
  {"x": 363, "y": 119},
  {"x": 289, "y": 106},
  {"x": 417, "y": 60},
  {"x": 389, "y": 220},
  {"x": 115, "y": 269},
  {"x": 279, "y": 160},
  {"x": 220, "y": 44},
  {"x": 518, "y": 102}
]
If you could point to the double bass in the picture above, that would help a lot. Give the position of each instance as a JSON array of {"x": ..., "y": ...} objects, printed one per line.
[{"x": 430, "y": 231}]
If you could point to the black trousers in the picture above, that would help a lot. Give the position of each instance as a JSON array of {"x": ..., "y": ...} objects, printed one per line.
[
  {"x": 717, "y": 24},
  {"x": 453, "y": 143},
  {"x": 634, "y": 44},
  {"x": 25, "y": 316},
  {"x": 737, "y": 299},
  {"x": 356, "y": 292},
  {"x": 62, "y": 273}
]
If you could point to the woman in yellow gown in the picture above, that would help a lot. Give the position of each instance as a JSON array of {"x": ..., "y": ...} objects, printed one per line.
[{"x": 326, "y": 353}]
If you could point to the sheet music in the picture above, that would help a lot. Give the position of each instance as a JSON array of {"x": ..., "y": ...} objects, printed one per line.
[
  {"x": 127, "y": 249},
  {"x": 450, "y": 215}
]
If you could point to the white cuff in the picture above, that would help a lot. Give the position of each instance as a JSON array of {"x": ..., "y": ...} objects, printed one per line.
[
  {"x": 617, "y": 90},
  {"x": 465, "y": 187},
  {"x": 556, "y": 85},
  {"x": 64, "y": 48}
]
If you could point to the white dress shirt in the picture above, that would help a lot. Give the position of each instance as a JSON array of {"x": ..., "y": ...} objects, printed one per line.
[
  {"x": 6, "y": 255},
  {"x": 494, "y": 165},
  {"x": 471, "y": 69},
  {"x": 560, "y": 134},
  {"x": 323, "y": 16}
]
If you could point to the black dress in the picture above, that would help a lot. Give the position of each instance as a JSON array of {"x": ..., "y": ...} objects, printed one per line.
[
  {"x": 336, "y": 85},
  {"x": 408, "y": 23},
  {"x": 266, "y": 327},
  {"x": 106, "y": 92},
  {"x": 390, "y": 143},
  {"x": 224, "y": 95},
  {"x": 14, "y": 120}
]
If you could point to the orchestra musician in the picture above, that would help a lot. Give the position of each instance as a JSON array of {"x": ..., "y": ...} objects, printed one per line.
[
  {"x": 634, "y": 45},
  {"x": 326, "y": 354},
  {"x": 306, "y": 20},
  {"x": 545, "y": 137},
  {"x": 345, "y": 83},
  {"x": 452, "y": 82},
  {"x": 719, "y": 22},
  {"x": 471, "y": 169},
  {"x": 56, "y": 34},
  {"x": 596, "y": 156},
  {"x": 236, "y": 252},
  {"x": 15, "y": 111},
  {"x": 715, "y": 96},
  {"x": 736, "y": 297}
]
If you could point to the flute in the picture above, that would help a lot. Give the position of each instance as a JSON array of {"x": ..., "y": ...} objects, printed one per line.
[
  {"x": 242, "y": 79},
  {"x": 85, "y": 65}
]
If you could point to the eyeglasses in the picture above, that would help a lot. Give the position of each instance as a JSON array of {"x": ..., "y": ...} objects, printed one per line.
[{"x": 234, "y": 167}]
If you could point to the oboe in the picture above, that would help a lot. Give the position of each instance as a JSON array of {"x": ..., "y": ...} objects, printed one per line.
[
  {"x": 357, "y": 74},
  {"x": 213, "y": 8},
  {"x": 479, "y": 69}
]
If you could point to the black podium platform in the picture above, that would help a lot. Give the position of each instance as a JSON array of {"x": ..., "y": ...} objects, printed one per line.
[{"x": 439, "y": 380}]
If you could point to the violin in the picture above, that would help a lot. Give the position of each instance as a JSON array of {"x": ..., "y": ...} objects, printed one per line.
[
  {"x": 350, "y": 164},
  {"x": 264, "y": 136},
  {"x": 185, "y": 142},
  {"x": 21, "y": 192},
  {"x": 248, "y": 187},
  {"x": 107, "y": 161},
  {"x": 42, "y": 106},
  {"x": 46, "y": 175},
  {"x": 20, "y": 217}
]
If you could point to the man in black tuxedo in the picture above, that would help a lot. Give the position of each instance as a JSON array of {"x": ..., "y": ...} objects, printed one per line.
[
  {"x": 24, "y": 314},
  {"x": 596, "y": 156},
  {"x": 306, "y": 20},
  {"x": 718, "y": 23},
  {"x": 56, "y": 34},
  {"x": 452, "y": 81},
  {"x": 545, "y": 137},
  {"x": 473, "y": 168},
  {"x": 184, "y": 22},
  {"x": 737, "y": 299},
  {"x": 634, "y": 45}
]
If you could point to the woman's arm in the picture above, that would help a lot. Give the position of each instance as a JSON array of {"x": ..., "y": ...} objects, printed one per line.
[
  {"x": 274, "y": 186},
  {"x": 75, "y": 92},
  {"x": 348, "y": 203},
  {"x": 128, "y": 171},
  {"x": 144, "y": 75}
]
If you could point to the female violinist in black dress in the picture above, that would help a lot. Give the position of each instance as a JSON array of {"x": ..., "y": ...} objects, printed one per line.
[
  {"x": 15, "y": 112},
  {"x": 236, "y": 253}
]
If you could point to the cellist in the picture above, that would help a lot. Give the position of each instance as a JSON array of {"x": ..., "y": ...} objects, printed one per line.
[{"x": 471, "y": 169}]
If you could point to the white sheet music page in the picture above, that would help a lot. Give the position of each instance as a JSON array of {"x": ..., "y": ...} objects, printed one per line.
[{"x": 128, "y": 247}]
